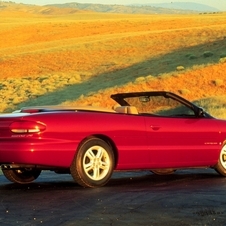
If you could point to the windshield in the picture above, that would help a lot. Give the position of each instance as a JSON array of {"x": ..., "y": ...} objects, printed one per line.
[{"x": 159, "y": 105}]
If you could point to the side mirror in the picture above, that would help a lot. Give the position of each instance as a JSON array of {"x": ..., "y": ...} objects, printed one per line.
[{"x": 201, "y": 112}]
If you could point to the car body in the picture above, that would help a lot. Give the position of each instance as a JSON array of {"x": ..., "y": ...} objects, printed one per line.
[{"x": 157, "y": 131}]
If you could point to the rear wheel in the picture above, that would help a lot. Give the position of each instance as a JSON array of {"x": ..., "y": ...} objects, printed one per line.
[
  {"x": 21, "y": 176},
  {"x": 93, "y": 164},
  {"x": 221, "y": 165}
]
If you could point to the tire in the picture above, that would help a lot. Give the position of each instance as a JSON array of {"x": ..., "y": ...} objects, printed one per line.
[
  {"x": 221, "y": 165},
  {"x": 93, "y": 163},
  {"x": 21, "y": 176},
  {"x": 163, "y": 171}
]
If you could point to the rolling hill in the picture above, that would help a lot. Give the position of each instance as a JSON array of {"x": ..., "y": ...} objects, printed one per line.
[
  {"x": 122, "y": 9},
  {"x": 73, "y": 7},
  {"x": 11, "y": 8},
  {"x": 190, "y": 6}
]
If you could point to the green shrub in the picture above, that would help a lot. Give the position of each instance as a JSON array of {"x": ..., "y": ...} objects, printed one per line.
[
  {"x": 207, "y": 54},
  {"x": 223, "y": 55},
  {"x": 180, "y": 68},
  {"x": 184, "y": 91},
  {"x": 2, "y": 86},
  {"x": 222, "y": 60},
  {"x": 192, "y": 57}
]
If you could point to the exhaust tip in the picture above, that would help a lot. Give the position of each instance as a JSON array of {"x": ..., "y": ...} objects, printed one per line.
[{"x": 6, "y": 166}]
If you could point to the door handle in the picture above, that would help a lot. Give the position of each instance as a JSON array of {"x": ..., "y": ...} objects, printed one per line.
[{"x": 155, "y": 127}]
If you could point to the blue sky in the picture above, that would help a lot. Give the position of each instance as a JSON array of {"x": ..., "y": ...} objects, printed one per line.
[{"x": 219, "y": 4}]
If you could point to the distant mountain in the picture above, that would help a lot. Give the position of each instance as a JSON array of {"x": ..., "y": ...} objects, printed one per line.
[
  {"x": 35, "y": 9},
  {"x": 73, "y": 7},
  {"x": 132, "y": 9},
  {"x": 182, "y": 6}
]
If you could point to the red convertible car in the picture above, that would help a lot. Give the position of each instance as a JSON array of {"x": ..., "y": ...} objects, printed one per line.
[{"x": 156, "y": 131}]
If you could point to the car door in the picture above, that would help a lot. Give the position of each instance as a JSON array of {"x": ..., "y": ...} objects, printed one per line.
[{"x": 182, "y": 141}]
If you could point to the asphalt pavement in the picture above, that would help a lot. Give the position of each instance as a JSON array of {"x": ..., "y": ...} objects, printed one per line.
[{"x": 188, "y": 197}]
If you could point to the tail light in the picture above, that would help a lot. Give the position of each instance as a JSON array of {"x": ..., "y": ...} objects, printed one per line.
[{"x": 27, "y": 127}]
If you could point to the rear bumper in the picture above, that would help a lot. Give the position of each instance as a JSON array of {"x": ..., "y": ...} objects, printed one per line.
[{"x": 49, "y": 153}]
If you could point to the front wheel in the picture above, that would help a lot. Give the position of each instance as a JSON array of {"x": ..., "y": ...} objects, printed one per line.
[
  {"x": 221, "y": 165},
  {"x": 21, "y": 176},
  {"x": 93, "y": 164}
]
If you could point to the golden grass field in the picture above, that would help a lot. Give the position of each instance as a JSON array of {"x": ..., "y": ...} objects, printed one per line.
[{"x": 82, "y": 58}]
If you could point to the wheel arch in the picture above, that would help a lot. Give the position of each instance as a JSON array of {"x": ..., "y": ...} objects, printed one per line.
[{"x": 105, "y": 138}]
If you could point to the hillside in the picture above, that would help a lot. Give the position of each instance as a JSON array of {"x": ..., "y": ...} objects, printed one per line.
[
  {"x": 84, "y": 57},
  {"x": 123, "y": 9},
  {"x": 74, "y": 7},
  {"x": 13, "y": 9},
  {"x": 190, "y": 6}
]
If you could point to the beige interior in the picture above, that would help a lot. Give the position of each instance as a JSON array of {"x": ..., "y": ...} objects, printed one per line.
[{"x": 127, "y": 110}]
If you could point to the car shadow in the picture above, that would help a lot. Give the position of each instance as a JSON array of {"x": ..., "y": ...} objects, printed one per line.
[
  {"x": 180, "y": 178},
  {"x": 121, "y": 180}
]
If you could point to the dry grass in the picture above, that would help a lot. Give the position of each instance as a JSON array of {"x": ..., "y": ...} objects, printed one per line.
[
  {"x": 83, "y": 58},
  {"x": 194, "y": 84}
]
